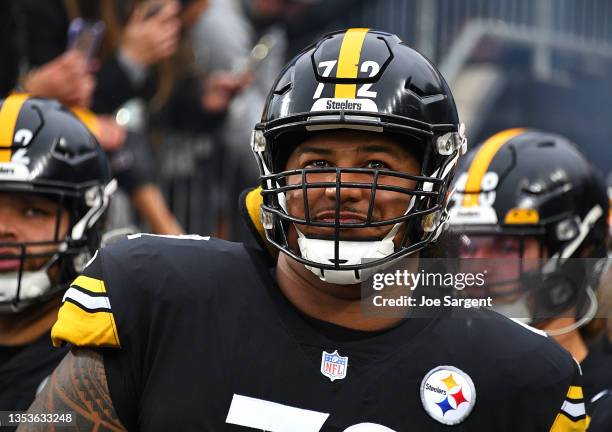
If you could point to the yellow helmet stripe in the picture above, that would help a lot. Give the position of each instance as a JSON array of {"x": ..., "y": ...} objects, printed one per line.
[
  {"x": 348, "y": 61},
  {"x": 480, "y": 164},
  {"x": 87, "y": 117},
  {"x": 8, "y": 119}
]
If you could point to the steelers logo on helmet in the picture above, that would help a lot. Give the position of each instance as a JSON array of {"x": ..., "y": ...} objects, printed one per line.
[
  {"x": 368, "y": 81},
  {"x": 448, "y": 394}
]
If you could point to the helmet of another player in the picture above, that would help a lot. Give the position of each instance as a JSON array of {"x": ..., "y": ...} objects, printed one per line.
[
  {"x": 55, "y": 187},
  {"x": 531, "y": 203},
  {"x": 368, "y": 82}
]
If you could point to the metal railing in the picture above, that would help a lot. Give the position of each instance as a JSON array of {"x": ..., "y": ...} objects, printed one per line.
[{"x": 433, "y": 25}]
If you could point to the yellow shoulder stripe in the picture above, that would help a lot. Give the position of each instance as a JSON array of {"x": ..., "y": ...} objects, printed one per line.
[
  {"x": 81, "y": 328},
  {"x": 8, "y": 119},
  {"x": 480, "y": 164},
  {"x": 565, "y": 424},
  {"x": 90, "y": 284},
  {"x": 348, "y": 61},
  {"x": 574, "y": 392}
]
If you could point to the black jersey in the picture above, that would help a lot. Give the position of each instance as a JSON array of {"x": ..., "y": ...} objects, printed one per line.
[
  {"x": 202, "y": 339},
  {"x": 597, "y": 371},
  {"x": 597, "y": 385},
  {"x": 600, "y": 409},
  {"x": 24, "y": 369}
]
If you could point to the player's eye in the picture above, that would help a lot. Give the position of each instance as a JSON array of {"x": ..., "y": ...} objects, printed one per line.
[
  {"x": 320, "y": 163},
  {"x": 32, "y": 212},
  {"x": 376, "y": 164},
  {"x": 508, "y": 247}
]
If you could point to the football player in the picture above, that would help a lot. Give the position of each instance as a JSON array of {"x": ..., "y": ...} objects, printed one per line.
[
  {"x": 532, "y": 200},
  {"x": 357, "y": 145},
  {"x": 54, "y": 187}
]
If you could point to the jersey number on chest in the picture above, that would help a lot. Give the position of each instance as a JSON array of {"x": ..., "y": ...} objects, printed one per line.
[{"x": 274, "y": 417}]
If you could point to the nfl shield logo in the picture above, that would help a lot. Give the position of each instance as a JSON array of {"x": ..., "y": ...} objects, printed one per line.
[{"x": 333, "y": 365}]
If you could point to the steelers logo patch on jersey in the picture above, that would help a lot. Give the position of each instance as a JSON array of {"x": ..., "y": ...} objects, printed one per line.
[{"x": 448, "y": 394}]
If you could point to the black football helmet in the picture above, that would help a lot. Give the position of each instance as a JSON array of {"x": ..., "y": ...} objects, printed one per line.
[
  {"x": 363, "y": 80},
  {"x": 45, "y": 150},
  {"x": 526, "y": 184}
]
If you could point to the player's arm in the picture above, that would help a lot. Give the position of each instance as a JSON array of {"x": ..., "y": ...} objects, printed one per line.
[
  {"x": 78, "y": 386},
  {"x": 571, "y": 416}
]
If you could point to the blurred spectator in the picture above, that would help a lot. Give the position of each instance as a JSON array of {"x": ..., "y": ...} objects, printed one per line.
[
  {"x": 65, "y": 78},
  {"x": 68, "y": 76},
  {"x": 250, "y": 23},
  {"x": 149, "y": 56},
  {"x": 251, "y": 35},
  {"x": 134, "y": 44}
]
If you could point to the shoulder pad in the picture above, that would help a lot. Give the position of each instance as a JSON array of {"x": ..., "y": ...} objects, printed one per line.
[{"x": 86, "y": 317}]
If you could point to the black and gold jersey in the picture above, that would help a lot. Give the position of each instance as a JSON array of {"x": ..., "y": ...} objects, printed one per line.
[
  {"x": 597, "y": 385},
  {"x": 597, "y": 369},
  {"x": 198, "y": 336},
  {"x": 600, "y": 410}
]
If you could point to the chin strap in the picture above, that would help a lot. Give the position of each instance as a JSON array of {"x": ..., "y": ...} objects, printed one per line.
[
  {"x": 519, "y": 311},
  {"x": 33, "y": 284},
  {"x": 586, "y": 318},
  {"x": 349, "y": 253}
]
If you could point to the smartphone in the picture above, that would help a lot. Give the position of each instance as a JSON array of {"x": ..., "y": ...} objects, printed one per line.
[{"x": 86, "y": 37}]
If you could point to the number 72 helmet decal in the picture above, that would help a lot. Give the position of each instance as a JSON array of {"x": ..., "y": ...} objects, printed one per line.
[{"x": 363, "y": 80}]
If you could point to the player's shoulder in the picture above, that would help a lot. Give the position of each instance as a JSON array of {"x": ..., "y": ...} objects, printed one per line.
[
  {"x": 148, "y": 256},
  {"x": 521, "y": 350},
  {"x": 145, "y": 277},
  {"x": 152, "y": 248},
  {"x": 158, "y": 265}
]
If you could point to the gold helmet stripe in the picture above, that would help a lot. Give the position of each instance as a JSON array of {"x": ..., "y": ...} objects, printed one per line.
[
  {"x": 348, "y": 61},
  {"x": 8, "y": 119},
  {"x": 480, "y": 164},
  {"x": 88, "y": 118}
]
